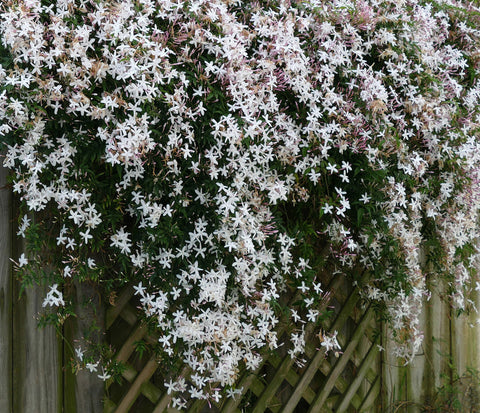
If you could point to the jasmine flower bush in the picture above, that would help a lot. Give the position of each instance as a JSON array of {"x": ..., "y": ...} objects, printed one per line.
[{"x": 205, "y": 150}]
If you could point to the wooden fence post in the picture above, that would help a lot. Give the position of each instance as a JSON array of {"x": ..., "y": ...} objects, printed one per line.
[
  {"x": 29, "y": 367},
  {"x": 36, "y": 360},
  {"x": 5, "y": 296},
  {"x": 84, "y": 392}
]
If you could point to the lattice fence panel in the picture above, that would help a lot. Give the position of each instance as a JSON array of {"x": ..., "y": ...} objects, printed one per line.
[{"x": 347, "y": 382}]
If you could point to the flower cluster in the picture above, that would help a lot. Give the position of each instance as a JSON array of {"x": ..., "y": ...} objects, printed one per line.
[{"x": 206, "y": 149}]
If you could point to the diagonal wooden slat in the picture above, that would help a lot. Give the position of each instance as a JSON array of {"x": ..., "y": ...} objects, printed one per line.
[
  {"x": 317, "y": 360},
  {"x": 109, "y": 406},
  {"x": 245, "y": 383},
  {"x": 292, "y": 378},
  {"x": 344, "y": 358},
  {"x": 371, "y": 396},
  {"x": 341, "y": 384},
  {"x": 151, "y": 392},
  {"x": 357, "y": 381},
  {"x": 129, "y": 346},
  {"x": 114, "y": 311},
  {"x": 269, "y": 392},
  {"x": 129, "y": 314},
  {"x": 135, "y": 389}
]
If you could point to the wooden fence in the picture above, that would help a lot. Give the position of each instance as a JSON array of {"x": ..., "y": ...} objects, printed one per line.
[
  {"x": 447, "y": 365},
  {"x": 31, "y": 359},
  {"x": 363, "y": 378}
]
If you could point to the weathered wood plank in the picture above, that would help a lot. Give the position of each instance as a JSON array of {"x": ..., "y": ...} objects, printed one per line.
[
  {"x": 394, "y": 374},
  {"x": 340, "y": 364},
  {"x": 5, "y": 296},
  {"x": 269, "y": 392},
  {"x": 465, "y": 332},
  {"x": 359, "y": 377},
  {"x": 69, "y": 377},
  {"x": 135, "y": 389},
  {"x": 418, "y": 372},
  {"x": 114, "y": 311},
  {"x": 37, "y": 380},
  {"x": 315, "y": 363},
  {"x": 415, "y": 384},
  {"x": 88, "y": 391},
  {"x": 367, "y": 405},
  {"x": 36, "y": 357}
]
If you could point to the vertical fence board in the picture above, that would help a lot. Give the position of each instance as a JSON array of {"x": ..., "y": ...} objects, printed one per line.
[
  {"x": 35, "y": 362},
  {"x": 436, "y": 344},
  {"x": 448, "y": 341},
  {"x": 36, "y": 378},
  {"x": 415, "y": 387},
  {"x": 5, "y": 296},
  {"x": 466, "y": 341},
  {"x": 394, "y": 375},
  {"x": 84, "y": 391},
  {"x": 37, "y": 371}
]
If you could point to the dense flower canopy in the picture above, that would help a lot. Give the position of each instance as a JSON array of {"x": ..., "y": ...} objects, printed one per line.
[{"x": 206, "y": 149}]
